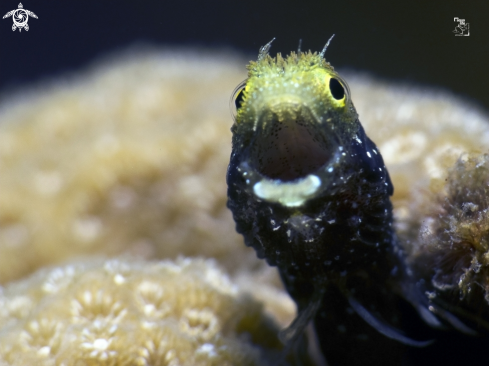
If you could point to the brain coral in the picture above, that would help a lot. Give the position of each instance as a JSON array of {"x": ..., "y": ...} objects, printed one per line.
[
  {"x": 126, "y": 158},
  {"x": 125, "y": 312},
  {"x": 130, "y": 156}
]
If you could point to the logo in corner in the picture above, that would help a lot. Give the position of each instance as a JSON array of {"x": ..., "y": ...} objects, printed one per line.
[
  {"x": 462, "y": 29},
  {"x": 20, "y": 17}
]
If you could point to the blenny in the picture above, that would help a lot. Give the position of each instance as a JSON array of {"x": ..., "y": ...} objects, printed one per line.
[{"x": 309, "y": 191}]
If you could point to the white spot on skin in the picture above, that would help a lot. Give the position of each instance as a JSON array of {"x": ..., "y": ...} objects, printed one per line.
[
  {"x": 368, "y": 154},
  {"x": 330, "y": 169}
]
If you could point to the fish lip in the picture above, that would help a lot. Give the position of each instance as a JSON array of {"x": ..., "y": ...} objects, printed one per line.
[{"x": 320, "y": 182}]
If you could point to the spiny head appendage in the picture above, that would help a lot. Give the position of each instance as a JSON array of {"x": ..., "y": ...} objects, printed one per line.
[
  {"x": 297, "y": 62},
  {"x": 264, "y": 50},
  {"x": 326, "y": 46},
  {"x": 300, "y": 61},
  {"x": 300, "y": 78}
]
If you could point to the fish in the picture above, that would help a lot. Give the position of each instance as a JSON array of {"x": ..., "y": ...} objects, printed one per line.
[{"x": 309, "y": 191}]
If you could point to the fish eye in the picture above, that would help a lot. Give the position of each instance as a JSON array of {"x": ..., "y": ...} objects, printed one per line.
[
  {"x": 237, "y": 99},
  {"x": 337, "y": 90}
]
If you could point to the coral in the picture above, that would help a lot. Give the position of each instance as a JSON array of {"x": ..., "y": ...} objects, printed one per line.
[
  {"x": 130, "y": 156},
  {"x": 421, "y": 134},
  {"x": 453, "y": 249},
  {"x": 126, "y": 312}
]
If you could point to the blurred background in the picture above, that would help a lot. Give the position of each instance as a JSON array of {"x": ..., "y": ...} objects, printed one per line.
[{"x": 410, "y": 41}]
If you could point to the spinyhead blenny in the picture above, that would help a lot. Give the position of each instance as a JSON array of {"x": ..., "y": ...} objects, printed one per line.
[{"x": 309, "y": 191}]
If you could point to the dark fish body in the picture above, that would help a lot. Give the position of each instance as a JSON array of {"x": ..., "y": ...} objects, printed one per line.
[
  {"x": 342, "y": 233},
  {"x": 339, "y": 243},
  {"x": 310, "y": 193}
]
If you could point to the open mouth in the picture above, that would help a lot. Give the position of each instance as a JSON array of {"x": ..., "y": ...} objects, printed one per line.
[{"x": 291, "y": 144}]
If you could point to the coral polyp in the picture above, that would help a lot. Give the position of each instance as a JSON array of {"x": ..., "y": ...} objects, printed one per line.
[
  {"x": 126, "y": 312},
  {"x": 454, "y": 243}
]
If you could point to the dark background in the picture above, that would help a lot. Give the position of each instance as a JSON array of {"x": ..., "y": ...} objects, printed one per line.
[{"x": 397, "y": 40}]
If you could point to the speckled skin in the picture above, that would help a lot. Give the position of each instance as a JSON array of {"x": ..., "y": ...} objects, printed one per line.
[{"x": 339, "y": 242}]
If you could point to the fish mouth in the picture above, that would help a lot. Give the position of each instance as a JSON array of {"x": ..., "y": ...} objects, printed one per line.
[{"x": 290, "y": 142}]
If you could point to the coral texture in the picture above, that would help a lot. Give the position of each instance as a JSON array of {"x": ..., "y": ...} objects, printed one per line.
[
  {"x": 453, "y": 249},
  {"x": 130, "y": 157},
  {"x": 421, "y": 134},
  {"x": 122, "y": 312}
]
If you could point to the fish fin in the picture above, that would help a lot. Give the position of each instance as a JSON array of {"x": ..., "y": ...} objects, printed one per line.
[
  {"x": 297, "y": 327},
  {"x": 384, "y": 328},
  {"x": 420, "y": 303},
  {"x": 428, "y": 317},
  {"x": 291, "y": 335},
  {"x": 453, "y": 320}
]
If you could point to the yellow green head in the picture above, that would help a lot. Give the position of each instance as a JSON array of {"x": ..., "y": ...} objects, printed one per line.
[{"x": 294, "y": 112}]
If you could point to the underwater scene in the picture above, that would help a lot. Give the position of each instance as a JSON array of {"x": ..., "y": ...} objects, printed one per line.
[{"x": 178, "y": 187}]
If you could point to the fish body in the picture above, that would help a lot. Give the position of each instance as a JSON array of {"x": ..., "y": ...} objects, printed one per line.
[{"x": 309, "y": 191}]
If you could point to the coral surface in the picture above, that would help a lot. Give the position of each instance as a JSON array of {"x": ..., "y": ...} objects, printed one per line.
[
  {"x": 130, "y": 156},
  {"x": 453, "y": 250},
  {"x": 121, "y": 312},
  {"x": 421, "y": 134}
]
